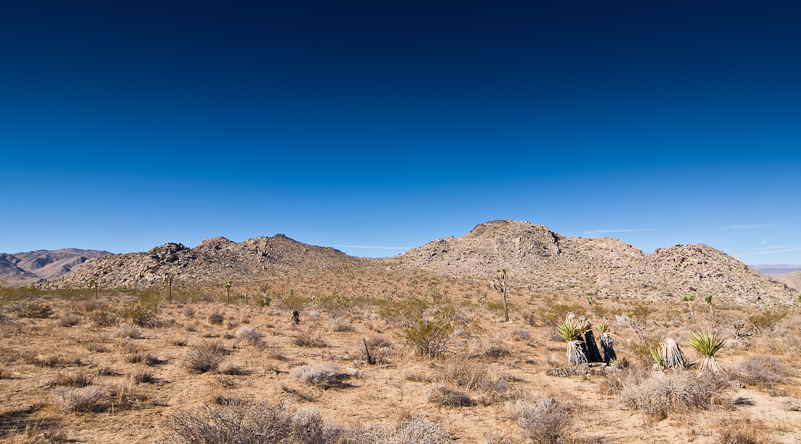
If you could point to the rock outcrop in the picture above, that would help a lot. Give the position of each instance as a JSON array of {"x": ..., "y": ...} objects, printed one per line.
[{"x": 534, "y": 256}]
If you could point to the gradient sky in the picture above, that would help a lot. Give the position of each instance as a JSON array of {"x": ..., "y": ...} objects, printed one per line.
[{"x": 378, "y": 126}]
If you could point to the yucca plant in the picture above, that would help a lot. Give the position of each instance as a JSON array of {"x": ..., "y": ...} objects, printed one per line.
[
  {"x": 707, "y": 344},
  {"x": 570, "y": 332},
  {"x": 656, "y": 353}
]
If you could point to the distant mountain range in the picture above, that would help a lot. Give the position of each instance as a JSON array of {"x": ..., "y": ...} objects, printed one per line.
[
  {"x": 536, "y": 258},
  {"x": 776, "y": 270},
  {"x": 25, "y": 268}
]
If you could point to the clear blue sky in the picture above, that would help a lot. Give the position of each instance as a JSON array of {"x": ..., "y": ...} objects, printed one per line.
[{"x": 128, "y": 124}]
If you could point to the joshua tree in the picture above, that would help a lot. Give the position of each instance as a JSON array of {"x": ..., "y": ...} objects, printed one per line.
[
  {"x": 498, "y": 282},
  {"x": 606, "y": 343},
  {"x": 688, "y": 298},
  {"x": 227, "y": 286},
  {"x": 708, "y": 300},
  {"x": 707, "y": 344},
  {"x": 167, "y": 279}
]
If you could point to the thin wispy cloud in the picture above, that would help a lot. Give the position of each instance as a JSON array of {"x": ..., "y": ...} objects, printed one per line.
[
  {"x": 748, "y": 227},
  {"x": 621, "y": 231},
  {"x": 769, "y": 252},
  {"x": 765, "y": 241},
  {"x": 374, "y": 247}
]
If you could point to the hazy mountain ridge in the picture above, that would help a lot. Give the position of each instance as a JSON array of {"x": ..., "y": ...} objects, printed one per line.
[
  {"x": 534, "y": 256},
  {"x": 792, "y": 280},
  {"x": 24, "y": 268}
]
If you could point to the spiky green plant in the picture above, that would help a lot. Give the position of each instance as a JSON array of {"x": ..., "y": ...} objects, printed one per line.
[
  {"x": 656, "y": 353},
  {"x": 707, "y": 343},
  {"x": 603, "y": 327},
  {"x": 568, "y": 331}
]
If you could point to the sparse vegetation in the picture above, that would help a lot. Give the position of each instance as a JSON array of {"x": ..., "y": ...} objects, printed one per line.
[{"x": 707, "y": 344}]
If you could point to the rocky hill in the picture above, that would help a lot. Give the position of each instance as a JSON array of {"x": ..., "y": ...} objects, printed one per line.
[
  {"x": 24, "y": 268},
  {"x": 792, "y": 280},
  {"x": 535, "y": 257},
  {"x": 601, "y": 266},
  {"x": 211, "y": 262}
]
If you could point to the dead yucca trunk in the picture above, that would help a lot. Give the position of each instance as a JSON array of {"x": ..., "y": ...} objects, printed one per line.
[
  {"x": 672, "y": 355},
  {"x": 575, "y": 353}
]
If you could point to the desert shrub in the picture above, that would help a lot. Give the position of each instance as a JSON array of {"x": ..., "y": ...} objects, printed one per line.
[
  {"x": 496, "y": 349},
  {"x": 448, "y": 396},
  {"x": 742, "y": 430},
  {"x": 103, "y": 317},
  {"x": 463, "y": 373},
  {"x": 141, "y": 310},
  {"x": 520, "y": 334},
  {"x": 791, "y": 405},
  {"x": 216, "y": 318},
  {"x": 324, "y": 375},
  {"x": 241, "y": 423},
  {"x": 307, "y": 339},
  {"x": 144, "y": 358},
  {"x": 642, "y": 348},
  {"x": 379, "y": 342},
  {"x": 429, "y": 337},
  {"x": 128, "y": 331},
  {"x": 418, "y": 430},
  {"x": 231, "y": 369},
  {"x": 205, "y": 357},
  {"x": 69, "y": 320},
  {"x": 640, "y": 312},
  {"x": 189, "y": 312},
  {"x": 144, "y": 377},
  {"x": 341, "y": 325},
  {"x": 665, "y": 393},
  {"x": 766, "y": 371},
  {"x": 53, "y": 360},
  {"x": 543, "y": 419},
  {"x": 249, "y": 335},
  {"x": 767, "y": 319},
  {"x": 554, "y": 313},
  {"x": 32, "y": 309},
  {"x": 84, "y": 399}
]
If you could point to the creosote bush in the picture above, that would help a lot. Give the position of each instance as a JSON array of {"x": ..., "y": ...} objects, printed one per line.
[
  {"x": 765, "y": 371},
  {"x": 142, "y": 310},
  {"x": 205, "y": 357}
]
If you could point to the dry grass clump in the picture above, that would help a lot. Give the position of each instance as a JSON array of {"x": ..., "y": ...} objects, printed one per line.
[
  {"x": 324, "y": 375},
  {"x": 144, "y": 358},
  {"x": 241, "y": 423},
  {"x": 664, "y": 393},
  {"x": 496, "y": 349},
  {"x": 79, "y": 379},
  {"x": 448, "y": 396},
  {"x": 128, "y": 331},
  {"x": 520, "y": 334},
  {"x": 476, "y": 376},
  {"x": 543, "y": 419},
  {"x": 84, "y": 399},
  {"x": 103, "y": 317},
  {"x": 742, "y": 430},
  {"x": 249, "y": 335},
  {"x": 418, "y": 430},
  {"x": 341, "y": 325},
  {"x": 765, "y": 371},
  {"x": 307, "y": 339},
  {"x": 205, "y": 357},
  {"x": 52, "y": 360}
]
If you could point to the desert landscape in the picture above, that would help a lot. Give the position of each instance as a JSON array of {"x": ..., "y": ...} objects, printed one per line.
[{"x": 510, "y": 333}]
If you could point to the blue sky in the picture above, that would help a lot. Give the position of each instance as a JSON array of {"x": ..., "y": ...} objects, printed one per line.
[{"x": 128, "y": 124}]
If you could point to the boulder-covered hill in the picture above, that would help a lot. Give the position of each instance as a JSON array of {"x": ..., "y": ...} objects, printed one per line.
[
  {"x": 601, "y": 266},
  {"x": 211, "y": 262},
  {"x": 534, "y": 256},
  {"x": 792, "y": 279},
  {"x": 28, "y": 267}
]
